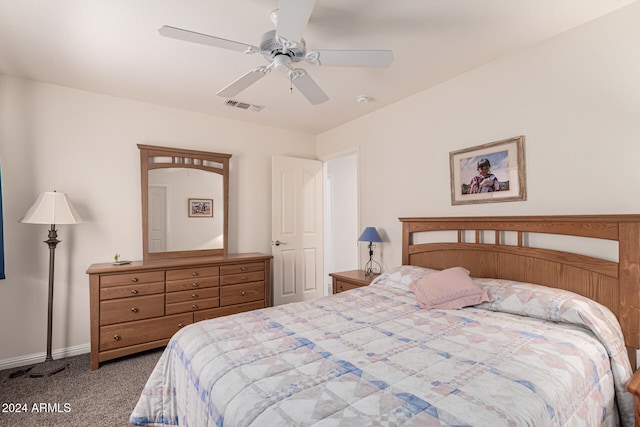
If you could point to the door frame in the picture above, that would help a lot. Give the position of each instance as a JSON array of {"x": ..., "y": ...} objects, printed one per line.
[{"x": 328, "y": 265}]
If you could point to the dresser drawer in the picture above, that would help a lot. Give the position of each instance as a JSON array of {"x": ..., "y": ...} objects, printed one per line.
[
  {"x": 132, "y": 333},
  {"x": 128, "y": 309},
  {"x": 131, "y": 290},
  {"x": 342, "y": 286},
  {"x": 192, "y": 283},
  {"x": 237, "y": 294},
  {"x": 242, "y": 278},
  {"x": 189, "y": 306},
  {"x": 352, "y": 279},
  {"x": 241, "y": 268},
  {"x": 190, "y": 273},
  {"x": 192, "y": 295},
  {"x": 129, "y": 278},
  {"x": 225, "y": 311}
]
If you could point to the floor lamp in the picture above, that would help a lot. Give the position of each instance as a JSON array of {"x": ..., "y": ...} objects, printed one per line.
[{"x": 51, "y": 208}]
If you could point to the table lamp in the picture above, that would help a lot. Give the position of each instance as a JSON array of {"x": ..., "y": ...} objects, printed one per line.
[{"x": 370, "y": 235}]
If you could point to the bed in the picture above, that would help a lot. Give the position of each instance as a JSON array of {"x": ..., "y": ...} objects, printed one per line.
[{"x": 552, "y": 346}]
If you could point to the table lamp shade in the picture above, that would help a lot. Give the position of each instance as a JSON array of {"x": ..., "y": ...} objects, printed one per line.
[
  {"x": 52, "y": 207},
  {"x": 370, "y": 234}
]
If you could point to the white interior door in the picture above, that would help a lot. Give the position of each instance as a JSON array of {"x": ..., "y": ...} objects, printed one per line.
[
  {"x": 296, "y": 229},
  {"x": 157, "y": 218}
]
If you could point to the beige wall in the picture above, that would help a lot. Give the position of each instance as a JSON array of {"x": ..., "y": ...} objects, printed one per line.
[
  {"x": 84, "y": 144},
  {"x": 576, "y": 98}
]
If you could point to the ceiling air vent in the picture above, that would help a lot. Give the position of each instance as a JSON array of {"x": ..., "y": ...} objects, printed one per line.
[{"x": 243, "y": 105}]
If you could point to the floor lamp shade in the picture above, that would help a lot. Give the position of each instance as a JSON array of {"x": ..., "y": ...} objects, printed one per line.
[{"x": 51, "y": 208}]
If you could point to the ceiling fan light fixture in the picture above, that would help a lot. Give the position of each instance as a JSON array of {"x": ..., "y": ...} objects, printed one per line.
[{"x": 282, "y": 62}]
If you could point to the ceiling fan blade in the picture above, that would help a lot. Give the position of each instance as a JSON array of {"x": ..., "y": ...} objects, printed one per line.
[
  {"x": 308, "y": 87},
  {"x": 244, "y": 82},
  {"x": 293, "y": 16},
  {"x": 191, "y": 36},
  {"x": 351, "y": 58}
]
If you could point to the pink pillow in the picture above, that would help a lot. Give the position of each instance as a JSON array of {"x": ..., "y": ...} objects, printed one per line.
[{"x": 448, "y": 289}]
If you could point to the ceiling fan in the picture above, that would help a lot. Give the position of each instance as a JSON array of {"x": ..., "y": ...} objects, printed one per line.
[{"x": 284, "y": 47}]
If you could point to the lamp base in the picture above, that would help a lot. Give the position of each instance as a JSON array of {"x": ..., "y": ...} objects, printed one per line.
[
  {"x": 47, "y": 368},
  {"x": 372, "y": 268}
]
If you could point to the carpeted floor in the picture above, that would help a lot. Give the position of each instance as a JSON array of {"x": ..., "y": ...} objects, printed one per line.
[{"x": 77, "y": 396}]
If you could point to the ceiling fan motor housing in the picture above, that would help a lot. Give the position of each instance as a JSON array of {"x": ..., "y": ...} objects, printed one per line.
[{"x": 270, "y": 47}]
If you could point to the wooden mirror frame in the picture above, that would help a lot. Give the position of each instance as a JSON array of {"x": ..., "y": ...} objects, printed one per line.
[{"x": 150, "y": 156}]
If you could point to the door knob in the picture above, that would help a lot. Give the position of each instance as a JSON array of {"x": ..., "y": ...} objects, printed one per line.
[{"x": 278, "y": 243}]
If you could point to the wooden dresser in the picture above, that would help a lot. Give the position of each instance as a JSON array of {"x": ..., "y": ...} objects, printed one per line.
[{"x": 139, "y": 306}]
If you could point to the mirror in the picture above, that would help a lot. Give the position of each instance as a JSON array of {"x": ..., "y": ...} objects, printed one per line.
[{"x": 185, "y": 200}]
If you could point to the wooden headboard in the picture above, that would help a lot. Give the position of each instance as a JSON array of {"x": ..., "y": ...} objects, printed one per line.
[{"x": 497, "y": 247}]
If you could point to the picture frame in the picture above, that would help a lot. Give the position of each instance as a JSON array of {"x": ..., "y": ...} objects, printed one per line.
[
  {"x": 503, "y": 159},
  {"x": 200, "y": 208}
]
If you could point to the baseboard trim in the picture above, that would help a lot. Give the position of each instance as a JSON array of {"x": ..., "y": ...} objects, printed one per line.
[{"x": 32, "y": 359}]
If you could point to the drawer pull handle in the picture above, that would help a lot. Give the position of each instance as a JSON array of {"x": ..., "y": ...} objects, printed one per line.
[
  {"x": 194, "y": 306},
  {"x": 180, "y": 325},
  {"x": 243, "y": 293},
  {"x": 134, "y": 291},
  {"x": 195, "y": 285},
  {"x": 194, "y": 274},
  {"x": 134, "y": 310},
  {"x": 243, "y": 268},
  {"x": 244, "y": 278},
  {"x": 116, "y": 337},
  {"x": 134, "y": 279},
  {"x": 194, "y": 296}
]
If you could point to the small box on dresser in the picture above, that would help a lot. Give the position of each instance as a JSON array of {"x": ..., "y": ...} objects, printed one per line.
[{"x": 139, "y": 306}]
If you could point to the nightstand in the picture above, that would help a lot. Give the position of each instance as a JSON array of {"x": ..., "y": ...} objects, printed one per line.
[{"x": 346, "y": 280}]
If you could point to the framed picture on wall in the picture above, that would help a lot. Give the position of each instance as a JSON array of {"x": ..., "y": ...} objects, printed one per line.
[
  {"x": 493, "y": 172},
  {"x": 202, "y": 208}
]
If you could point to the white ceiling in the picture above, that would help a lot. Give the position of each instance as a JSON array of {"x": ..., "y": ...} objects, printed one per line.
[{"x": 113, "y": 47}]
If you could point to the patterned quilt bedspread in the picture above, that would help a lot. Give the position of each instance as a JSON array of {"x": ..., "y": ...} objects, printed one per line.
[{"x": 372, "y": 357}]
